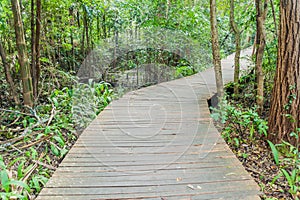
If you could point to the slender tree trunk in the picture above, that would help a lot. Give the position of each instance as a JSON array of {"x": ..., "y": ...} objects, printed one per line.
[
  {"x": 104, "y": 25},
  {"x": 86, "y": 28},
  {"x": 90, "y": 35},
  {"x": 284, "y": 117},
  {"x": 8, "y": 75},
  {"x": 22, "y": 54},
  {"x": 83, "y": 42},
  {"x": 33, "y": 50},
  {"x": 78, "y": 19},
  {"x": 274, "y": 17},
  {"x": 71, "y": 13},
  {"x": 254, "y": 47},
  {"x": 98, "y": 27},
  {"x": 168, "y": 8},
  {"x": 37, "y": 46},
  {"x": 216, "y": 48},
  {"x": 237, "y": 56},
  {"x": 261, "y": 10}
]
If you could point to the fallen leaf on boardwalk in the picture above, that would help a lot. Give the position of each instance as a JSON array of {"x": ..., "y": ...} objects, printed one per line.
[
  {"x": 199, "y": 187},
  {"x": 178, "y": 179},
  {"x": 190, "y": 186}
]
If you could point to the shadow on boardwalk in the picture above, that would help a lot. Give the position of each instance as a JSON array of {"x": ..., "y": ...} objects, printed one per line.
[{"x": 158, "y": 142}]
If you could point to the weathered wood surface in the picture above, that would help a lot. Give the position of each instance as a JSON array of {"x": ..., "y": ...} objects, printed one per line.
[{"x": 158, "y": 142}]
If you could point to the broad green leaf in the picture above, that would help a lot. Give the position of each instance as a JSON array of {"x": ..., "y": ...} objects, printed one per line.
[
  {"x": 288, "y": 177},
  {"x": 274, "y": 152},
  {"x": 59, "y": 140},
  {"x": 54, "y": 150},
  {"x": 4, "y": 180},
  {"x": 20, "y": 170},
  {"x": 20, "y": 183}
]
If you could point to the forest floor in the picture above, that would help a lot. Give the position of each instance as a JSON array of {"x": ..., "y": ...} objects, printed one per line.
[
  {"x": 258, "y": 160},
  {"x": 253, "y": 150}
]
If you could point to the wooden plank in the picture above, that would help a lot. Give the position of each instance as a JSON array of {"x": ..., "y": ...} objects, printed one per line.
[
  {"x": 161, "y": 177},
  {"x": 232, "y": 195},
  {"x": 175, "y": 173},
  {"x": 158, "y": 190},
  {"x": 142, "y": 185}
]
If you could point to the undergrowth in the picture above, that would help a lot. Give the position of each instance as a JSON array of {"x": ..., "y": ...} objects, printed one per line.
[
  {"x": 275, "y": 167},
  {"x": 34, "y": 141}
]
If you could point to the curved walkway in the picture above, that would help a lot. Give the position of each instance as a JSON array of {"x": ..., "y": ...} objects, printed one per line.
[{"x": 158, "y": 142}]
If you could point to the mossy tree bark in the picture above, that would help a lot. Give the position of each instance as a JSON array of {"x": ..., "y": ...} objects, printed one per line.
[{"x": 284, "y": 116}]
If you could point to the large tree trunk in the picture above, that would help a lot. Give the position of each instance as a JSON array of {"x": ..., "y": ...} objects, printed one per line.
[
  {"x": 22, "y": 55},
  {"x": 216, "y": 48},
  {"x": 237, "y": 56},
  {"x": 261, "y": 11},
  {"x": 285, "y": 104}
]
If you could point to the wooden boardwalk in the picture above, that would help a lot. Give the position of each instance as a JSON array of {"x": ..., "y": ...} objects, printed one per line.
[{"x": 158, "y": 142}]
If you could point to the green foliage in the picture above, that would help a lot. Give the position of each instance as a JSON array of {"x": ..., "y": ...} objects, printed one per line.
[
  {"x": 293, "y": 179},
  {"x": 48, "y": 131},
  {"x": 275, "y": 152},
  {"x": 89, "y": 100},
  {"x": 239, "y": 122},
  {"x": 287, "y": 157},
  {"x": 183, "y": 71},
  {"x": 9, "y": 186},
  {"x": 243, "y": 127}
]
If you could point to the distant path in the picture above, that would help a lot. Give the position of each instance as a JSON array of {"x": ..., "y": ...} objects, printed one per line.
[{"x": 158, "y": 142}]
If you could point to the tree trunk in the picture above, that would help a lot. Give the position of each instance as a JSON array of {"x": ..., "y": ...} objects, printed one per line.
[
  {"x": 237, "y": 56},
  {"x": 86, "y": 28},
  {"x": 274, "y": 18},
  {"x": 22, "y": 54},
  {"x": 78, "y": 19},
  {"x": 104, "y": 25},
  {"x": 33, "y": 45},
  {"x": 37, "y": 46},
  {"x": 284, "y": 117},
  {"x": 82, "y": 48},
  {"x": 261, "y": 10},
  {"x": 168, "y": 8},
  {"x": 216, "y": 48},
  {"x": 98, "y": 27},
  {"x": 8, "y": 75},
  {"x": 71, "y": 13}
]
